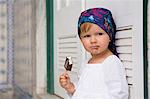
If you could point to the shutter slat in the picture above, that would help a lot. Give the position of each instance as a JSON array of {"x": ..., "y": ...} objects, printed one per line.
[
  {"x": 67, "y": 46},
  {"x": 126, "y": 57},
  {"x": 124, "y": 49},
  {"x": 68, "y": 50},
  {"x": 124, "y": 42},
  {"x": 127, "y": 64},
  {"x": 67, "y": 54},
  {"x": 124, "y": 34},
  {"x": 67, "y": 39},
  {"x": 64, "y": 57},
  {"x": 129, "y": 72},
  {"x": 130, "y": 80}
]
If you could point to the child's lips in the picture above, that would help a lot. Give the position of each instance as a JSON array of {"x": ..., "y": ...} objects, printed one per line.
[{"x": 94, "y": 47}]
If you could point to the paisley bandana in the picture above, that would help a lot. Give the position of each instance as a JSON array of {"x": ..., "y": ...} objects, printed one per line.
[{"x": 103, "y": 18}]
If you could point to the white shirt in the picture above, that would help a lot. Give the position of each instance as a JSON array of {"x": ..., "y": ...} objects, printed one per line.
[{"x": 106, "y": 80}]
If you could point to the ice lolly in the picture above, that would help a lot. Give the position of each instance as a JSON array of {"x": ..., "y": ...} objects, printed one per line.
[{"x": 68, "y": 63}]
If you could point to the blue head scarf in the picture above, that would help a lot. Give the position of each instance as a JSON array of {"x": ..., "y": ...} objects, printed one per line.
[{"x": 103, "y": 18}]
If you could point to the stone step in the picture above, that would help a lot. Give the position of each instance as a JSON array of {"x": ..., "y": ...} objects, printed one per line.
[
  {"x": 48, "y": 96},
  {"x": 6, "y": 94}
]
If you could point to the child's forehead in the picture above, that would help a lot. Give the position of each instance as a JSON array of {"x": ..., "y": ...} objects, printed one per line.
[
  {"x": 91, "y": 27},
  {"x": 86, "y": 24}
]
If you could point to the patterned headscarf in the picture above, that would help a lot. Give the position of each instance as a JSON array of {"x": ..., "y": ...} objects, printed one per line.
[{"x": 103, "y": 18}]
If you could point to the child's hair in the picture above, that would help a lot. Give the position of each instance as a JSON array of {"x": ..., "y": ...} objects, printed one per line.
[
  {"x": 101, "y": 17},
  {"x": 85, "y": 27}
]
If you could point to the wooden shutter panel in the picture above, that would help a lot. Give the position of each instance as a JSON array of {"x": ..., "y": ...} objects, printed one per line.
[
  {"x": 124, "y": 48},
  {"x": 68, "y": 46}
]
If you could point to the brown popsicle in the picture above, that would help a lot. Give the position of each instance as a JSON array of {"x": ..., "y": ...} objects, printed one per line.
[{"x": 68, "y": 64}]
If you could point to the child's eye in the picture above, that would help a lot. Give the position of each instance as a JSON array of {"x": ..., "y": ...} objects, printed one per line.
[
  {"x": 85, "y": 36},
  {"x": 100, "y": 33}
]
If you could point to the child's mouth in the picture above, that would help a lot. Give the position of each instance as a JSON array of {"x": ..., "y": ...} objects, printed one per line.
[{"x": 94, "y": 47}]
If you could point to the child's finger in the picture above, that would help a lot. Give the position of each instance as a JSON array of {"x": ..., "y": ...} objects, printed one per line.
[
  {"x": 62, "y": 77},
  {"x": 65, "y": 73},
  {"x": 67, "y": 76},
  {"x": 63, "y": 80},
  {"x": 63, "y": 84}
]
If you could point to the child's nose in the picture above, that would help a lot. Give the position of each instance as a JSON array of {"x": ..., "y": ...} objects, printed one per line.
[{"x": 93, "y": 39}]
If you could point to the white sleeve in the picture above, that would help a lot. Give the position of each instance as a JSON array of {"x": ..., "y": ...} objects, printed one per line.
[
  {"x": 69, "y": 96},
  {"x": 116, "y": 79}
]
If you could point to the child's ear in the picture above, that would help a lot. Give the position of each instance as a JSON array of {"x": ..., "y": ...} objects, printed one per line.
[{"x": 109, "y": 40}]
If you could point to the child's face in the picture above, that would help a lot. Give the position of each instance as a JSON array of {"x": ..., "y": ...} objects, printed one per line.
[{"x": 96, "y": 40}]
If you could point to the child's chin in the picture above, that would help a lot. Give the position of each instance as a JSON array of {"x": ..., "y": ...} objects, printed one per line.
[{"x": 95, "y": 53}]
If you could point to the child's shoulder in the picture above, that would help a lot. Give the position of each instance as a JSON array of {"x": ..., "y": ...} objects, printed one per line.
[
  {"x": 113, "y": 64},
  {"x": 112, "y": 60}
]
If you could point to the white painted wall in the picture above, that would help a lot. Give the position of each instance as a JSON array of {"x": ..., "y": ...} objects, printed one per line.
[{"x": 41, "y": 59}]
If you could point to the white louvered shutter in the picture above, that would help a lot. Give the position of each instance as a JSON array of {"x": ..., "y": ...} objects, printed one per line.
[
  {"x": 66, "y": 41},
  {"x": 68, "y": 45},
  {"x": 124, "y": 49}
]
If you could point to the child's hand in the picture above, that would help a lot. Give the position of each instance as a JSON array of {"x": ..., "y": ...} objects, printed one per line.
[{"x": 65, "y": 82}]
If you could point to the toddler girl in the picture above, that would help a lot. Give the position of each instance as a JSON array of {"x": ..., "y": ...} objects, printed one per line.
[{"x": 103, "y": 75}]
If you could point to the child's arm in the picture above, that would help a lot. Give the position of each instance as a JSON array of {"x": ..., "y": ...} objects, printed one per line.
[
  {"x": 65, "y": 83},
  {"x": 116, "y": 80}
]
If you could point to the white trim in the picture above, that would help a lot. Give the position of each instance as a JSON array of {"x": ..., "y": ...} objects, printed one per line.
[
  {"x": 41, "y": 51},
  {"x": 137, "y": 52},
  {"x": 83, "y": 2}
]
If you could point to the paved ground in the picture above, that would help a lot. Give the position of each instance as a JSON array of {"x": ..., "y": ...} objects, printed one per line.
[{"x": 6, "y": 94}]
